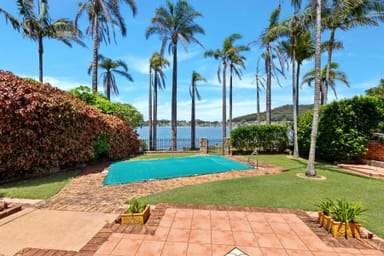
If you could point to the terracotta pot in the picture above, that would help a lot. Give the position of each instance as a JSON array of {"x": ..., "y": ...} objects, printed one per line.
[{"x": 338, "y": 229}]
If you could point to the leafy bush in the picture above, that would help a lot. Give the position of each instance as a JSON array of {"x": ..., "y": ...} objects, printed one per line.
[
  {"x": 264, "y": 138},
  {"x": 344, "y": 128},
  {"x": 43, "y": 129},
  {"x": 121, "y": 110}
]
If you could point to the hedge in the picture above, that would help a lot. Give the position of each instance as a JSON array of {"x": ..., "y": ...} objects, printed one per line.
[
  {"x": 265, "y": 138},
  {"x": 43, "y": 129}
]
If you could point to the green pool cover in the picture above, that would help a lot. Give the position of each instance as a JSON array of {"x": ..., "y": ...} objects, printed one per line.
[{"x": 142, "y": 170}]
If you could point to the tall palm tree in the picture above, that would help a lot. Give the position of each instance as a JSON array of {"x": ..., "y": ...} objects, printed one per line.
[
  {"x": 272, "y": 51},
  {"x": 103, "y": 16},
  {"x": 39, "y": 26},
  {"x": 310, "y": 169},
  {"x": 334, "y": 76},
  {"x": 193, "y": 91},
  {"x": 224, "y": 56},
  {"x": 236, "y": 63},
  {"x": 344, "y": 15},
  {"x": 111, "y": 66},
  {"x": 158, "y": 63},
  {"x": 8, "y": 17},
  {"x": 174, "y": 23},
  {"x": 259, "y": 81}
]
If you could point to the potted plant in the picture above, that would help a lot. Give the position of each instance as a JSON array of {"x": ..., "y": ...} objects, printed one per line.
[
  {"x": 136, "y": 213},
  {"x": 326, "y": 213},
  {"x": 344, "y": 222}
]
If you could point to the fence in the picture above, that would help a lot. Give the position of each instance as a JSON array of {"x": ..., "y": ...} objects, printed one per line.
[{"x": 214, "y": 145}]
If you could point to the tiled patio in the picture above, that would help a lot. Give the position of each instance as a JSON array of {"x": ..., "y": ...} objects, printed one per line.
[{"x": 216, "y": 232}]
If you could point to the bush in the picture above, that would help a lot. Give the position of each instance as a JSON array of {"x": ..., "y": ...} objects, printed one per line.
[
  {"x": 344, "y": 128},
  {"x": 43, "y": 129},
  {"x": 265, "y": 138},
  {"x": 124, "y": 111}
]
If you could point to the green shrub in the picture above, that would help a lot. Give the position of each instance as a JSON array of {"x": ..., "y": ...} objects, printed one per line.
[
  {"x": 43, "y": 129},
  {"x": 124, "y": 111},
  {"x": 264, "y": 138},
  {"x": 344, "y": 128}
]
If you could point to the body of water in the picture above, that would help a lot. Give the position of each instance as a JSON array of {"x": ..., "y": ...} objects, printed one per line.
[{"x": 213, "y": 134}]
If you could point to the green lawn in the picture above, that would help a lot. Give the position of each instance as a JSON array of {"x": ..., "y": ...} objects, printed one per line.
[
  {"x": 286, "y": 190},
  {"x": 38, "y": 188}
]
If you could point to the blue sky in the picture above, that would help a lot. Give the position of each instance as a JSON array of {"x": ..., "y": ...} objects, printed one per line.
[{"x": 361, "y": 59}]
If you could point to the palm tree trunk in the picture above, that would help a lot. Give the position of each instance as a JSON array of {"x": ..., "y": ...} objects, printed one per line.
[
  {"x": 268, "y": 87},
  {"x": 95, "y": 53},
  {"x": 329, "y": 61},
  {"x": 310, "y": 170},
  {"x": 257, "y": 97},
  {"x": 41, "y": 52},
  {"x": 155, "y": 112},
  {"x": 150, "y": 110},
  {"x": 193, "y": 119},
  {"x": 174, "y": 99},
  {"x": 224, "y": 111},
  {"x": 230, "y": 100},
  {"x": 294, "y": 99}
]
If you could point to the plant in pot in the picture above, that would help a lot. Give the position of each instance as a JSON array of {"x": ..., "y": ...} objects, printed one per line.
[
  {"x": 344, "y": 222},
  {"x": 136, "y": 213},
  {"x": 326, "y": 212}
]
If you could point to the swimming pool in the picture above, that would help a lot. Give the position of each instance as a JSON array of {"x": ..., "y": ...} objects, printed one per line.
[{"x": 143, "y": 170}]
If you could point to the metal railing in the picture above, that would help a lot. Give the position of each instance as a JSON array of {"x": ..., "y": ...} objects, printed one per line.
[{"x": 183, "y": 144}]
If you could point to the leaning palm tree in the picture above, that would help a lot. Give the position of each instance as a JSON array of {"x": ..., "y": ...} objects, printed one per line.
[
  {"x": 344, "y": 15},
  {"x": 224, "y": 56},
  {"x": 158, "y": 63},
  {"x": 174, "y": 23},
  {"x": 272, "y": 51},
  {"x": 193, "y": 91},
  {"x": 310, "y": 169},
  {"x": 39, "y": 26},
  {"x": 236, "y": 63},
  {"x": 334, "y": 76},
  {"x": 109, "y": 81},
  {"x": 103, "y": 16}
]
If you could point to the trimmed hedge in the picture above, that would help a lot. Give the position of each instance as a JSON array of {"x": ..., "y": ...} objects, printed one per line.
[
  {"x": 43, "y": 129},
  {"x": 265, "y": 138}
]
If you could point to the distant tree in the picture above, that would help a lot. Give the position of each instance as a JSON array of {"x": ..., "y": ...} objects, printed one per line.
[
  {"x": 344, "y": 15},
  {"x": 272, "y": 51},
  {"x": 157, "y": 63},
  {"x": 39, "y": 26},
  {"x": 224, "y": 55},
  {"x": 174, "y": 23},
  {"x": 103, "y": 16},
  {"x": 110, "y": 67},
  {"x": 193, "y": 91},
  {"x": 377, "y": 91},
  {"x": 334, "y": 76}
]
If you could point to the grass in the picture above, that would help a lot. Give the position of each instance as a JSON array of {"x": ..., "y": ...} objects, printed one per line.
[
  {"x": 286, "y": 190},
  {"x": 38, "y": 188}
]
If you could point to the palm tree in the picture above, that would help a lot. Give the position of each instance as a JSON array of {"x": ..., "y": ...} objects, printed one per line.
[
  {"x": 8, "y": 17},
  {"x": 310, "y": 170},
  {"x": 272, "y": 51},
  {"x": 236, "y": 62},
  {"x": 103, "y": 16},
  {"x": 172, "y": 23},
  {"x": 259, "y": 80},
  {"x": 344, "y": 15},
  {"x": 38, "y": 26},
  {"x": 334, "y": 75},
  {"x": 193, "y": 91},
  {"x": 158, "y": 63},
  {"x": 111, "y": 66}
]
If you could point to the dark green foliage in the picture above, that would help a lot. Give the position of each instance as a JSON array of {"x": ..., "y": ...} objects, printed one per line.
[
  {"x": 283, "y": 113},
  {"x": 264, "y": 138},
  {"x": 43, "y": 129},
  {"x": 377, "y": 91},
  {"x": 344, "y": 128},
  {"x": 124, "y": 111}
]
